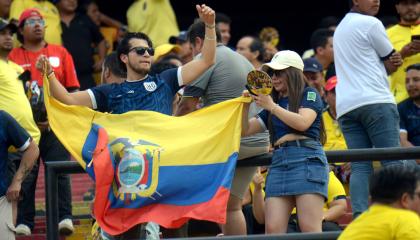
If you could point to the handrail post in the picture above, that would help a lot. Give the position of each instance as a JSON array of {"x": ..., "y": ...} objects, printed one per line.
[{"x": 51, "y": 201}]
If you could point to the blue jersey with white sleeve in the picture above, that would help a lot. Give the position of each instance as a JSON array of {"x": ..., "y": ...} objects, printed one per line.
[
  {"x": 11, "y": 134},
  {"x": 310, "y": 99},
  {"x": 155, "y": 93}
]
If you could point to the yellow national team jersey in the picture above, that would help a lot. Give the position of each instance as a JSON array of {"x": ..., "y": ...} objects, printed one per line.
[
  {"x": 13, "y": 99},
  {"x": 335, "y": 138},
  {"x": 381, "y": 222},
  {"x": 399, "y": 36},
  {"x": 48, "y": 11},
  {"x": 156, "y": 18},
  {"x": 335, "y": 189}
]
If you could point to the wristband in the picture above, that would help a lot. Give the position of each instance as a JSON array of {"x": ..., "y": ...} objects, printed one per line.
[
  {"x": 210, "y": 26},
  {"x": 210, "y": 38}
]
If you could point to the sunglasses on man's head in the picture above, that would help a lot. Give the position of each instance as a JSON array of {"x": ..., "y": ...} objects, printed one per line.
[
  {"x": 33, "y": 22},
  {"x": 142, "y": 50}
]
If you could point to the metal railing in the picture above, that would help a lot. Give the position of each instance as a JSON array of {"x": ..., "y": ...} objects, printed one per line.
[{"x": 53, "y": 169}]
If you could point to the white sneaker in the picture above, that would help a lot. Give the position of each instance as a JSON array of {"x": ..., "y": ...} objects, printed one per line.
[
  {"x": 23, "y": 230},
  {"x": 65, "y": 227}
]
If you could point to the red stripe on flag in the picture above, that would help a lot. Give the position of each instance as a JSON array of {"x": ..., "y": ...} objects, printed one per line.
[{"x": 117, "y": 221}]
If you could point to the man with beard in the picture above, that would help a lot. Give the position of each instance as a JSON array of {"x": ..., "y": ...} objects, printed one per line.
[
  {"x": 410, "y": 109},
  {"x": 140, "y": 91},
  {"x": 31, "y": 34},
  {"x": 403, "y": 38}
]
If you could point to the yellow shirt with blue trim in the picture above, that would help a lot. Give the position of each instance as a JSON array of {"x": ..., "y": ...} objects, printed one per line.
[
  {"x": 48, "y": 11},
  {"x": 400, "y": 35},
  {"x": 156, "y": 18},
  {"x": 382, "y": 222},
  {"x": 13, "y": 99}
]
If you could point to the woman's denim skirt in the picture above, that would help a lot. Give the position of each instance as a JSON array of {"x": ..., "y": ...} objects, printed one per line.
[{"x": 297, "y": 170}]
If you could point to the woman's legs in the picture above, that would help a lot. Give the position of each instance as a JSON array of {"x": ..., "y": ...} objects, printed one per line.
[
  {"x": 277, "y": 213},
  {"x": 310, "y": 212}
]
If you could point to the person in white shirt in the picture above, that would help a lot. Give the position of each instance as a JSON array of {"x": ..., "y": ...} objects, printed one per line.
[{"x": 366, "y": 109}]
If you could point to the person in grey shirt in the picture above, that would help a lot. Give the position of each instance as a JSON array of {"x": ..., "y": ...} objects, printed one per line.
[{"x": 223, "y": 81}]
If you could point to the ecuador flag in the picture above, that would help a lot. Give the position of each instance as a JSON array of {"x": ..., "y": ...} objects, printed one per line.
[{"x": 152, "y": 167}]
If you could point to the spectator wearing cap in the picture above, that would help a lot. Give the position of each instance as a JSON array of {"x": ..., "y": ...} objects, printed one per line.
[
  {"x": 5, "y": 8},
  {"x": 31, "y": 34},
  {"x": 49, "y": 13},
  {"x": 181, "y": 40},
  {"x": 366, "y": 109},
  {"x": 395, "y": 209},
  {"x": 12, "y": 94},
  {"x": 13, "y": 100},
  {"x": 164, "y": 50},
  {"x": 313, "y": 73},
  {"x": 158, "y": 20},
  {"x": 409, "y": 109},
  {"x": 80, "y": 34},
  {"x": 335, "y": 138},
  {"x": 298, "y": 174},
  {"x": 252, "y": 49},
  {"x": 223, "y": 23},
  {"x": 402, "y": 37}
]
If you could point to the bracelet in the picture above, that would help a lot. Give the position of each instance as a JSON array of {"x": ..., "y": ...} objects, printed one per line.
[
  {"x": 210, "y": 26},
  {"x": 49, "y": 74},
  {"x": 210, "y": 38}
]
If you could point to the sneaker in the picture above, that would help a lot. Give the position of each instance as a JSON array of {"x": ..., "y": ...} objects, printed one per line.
[
  {"x": 23, "y": 230},
  {"x": 65, "y": 227}
]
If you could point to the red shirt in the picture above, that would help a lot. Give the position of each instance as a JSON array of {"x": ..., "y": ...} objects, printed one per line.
[{"x": 60, "y": 60}]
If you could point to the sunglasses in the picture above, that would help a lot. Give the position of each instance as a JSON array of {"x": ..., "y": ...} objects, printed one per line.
[
  {"x": 277, "y": 73},
  {"x": 142, "y": 50},
  {"x": 33, "y": 22}
]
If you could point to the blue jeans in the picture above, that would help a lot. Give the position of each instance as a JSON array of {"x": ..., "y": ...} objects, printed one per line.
[{"x": 375, "y": 125}]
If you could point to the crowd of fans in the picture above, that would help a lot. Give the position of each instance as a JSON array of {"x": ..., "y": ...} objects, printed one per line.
[{"x": 342, "y": 93}]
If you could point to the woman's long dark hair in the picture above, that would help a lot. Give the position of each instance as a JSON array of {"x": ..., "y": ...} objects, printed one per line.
[{"x": 296, "y": 83}]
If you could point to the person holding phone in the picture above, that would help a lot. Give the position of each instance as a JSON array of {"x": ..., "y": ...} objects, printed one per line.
[
  {"x": 405, "y": 38},
  {"x": 299, "y": 170}
]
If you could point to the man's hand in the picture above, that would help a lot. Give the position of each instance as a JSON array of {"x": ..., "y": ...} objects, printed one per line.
[
  {"x": 13, "y": 192},
  {"x": 258, "y": 180},
  {"x": 396, "y": 59},
  {"x": 206, "y": 14},
  {"x": 43, "y": 65},
  {"x": 410, "y": 49}
]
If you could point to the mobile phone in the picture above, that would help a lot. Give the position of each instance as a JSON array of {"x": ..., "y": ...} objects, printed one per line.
[{"x": 415, "y": 37}]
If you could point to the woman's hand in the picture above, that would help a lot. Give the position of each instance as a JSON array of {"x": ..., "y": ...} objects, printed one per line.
[
  {"x": 43, "y": 65},
  {"x": 246, "y": 93},
  {"x": 264, "y": 101},
  {"x": 207, "y": 15}
]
